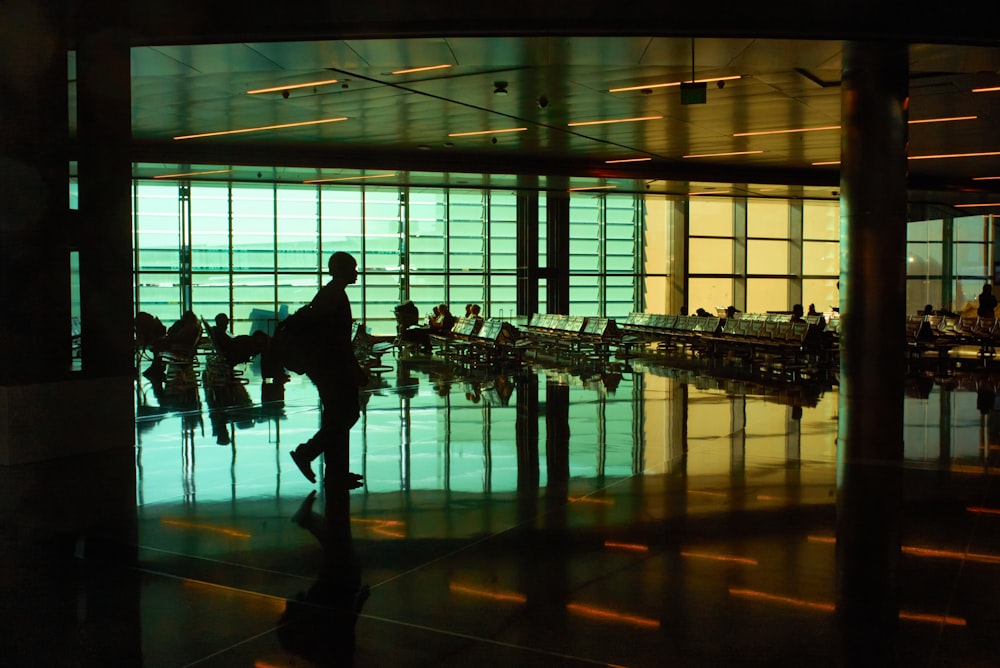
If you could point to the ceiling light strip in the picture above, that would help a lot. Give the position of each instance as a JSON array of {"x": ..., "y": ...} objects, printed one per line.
[
  {"x": 971, "y": 206},
  {"x": 352, "y": 178},
  {"x": 179, "y": 176},
  {"x": 612, "y": 162},
  {"x": 986, "y": 178},
  {"x": 485, "y": 132},
  {"x": 955, "y": 155},
  {"x": 278, "y": 89},
  {"x": 991, "y": 89},
  {"x": 262, "y": 128},
  {"x": 789, "y": 131},
  {"x": 718, "y": 155},
  {"x": 837, "y": 127},
  {"x": 673, "y": 83},
  {"x": 583, "y": 188},
  {"x": 421, "y": 69},
  {"x": 615, "y": 120},
  {"x": 946, "y": 119}
]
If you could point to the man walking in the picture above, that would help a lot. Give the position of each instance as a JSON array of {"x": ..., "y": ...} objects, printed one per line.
[{"x": 337, "y": 375}]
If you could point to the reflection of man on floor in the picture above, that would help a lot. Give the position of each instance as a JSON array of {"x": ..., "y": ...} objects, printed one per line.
[
  {"x": 319, "y": 623},
  {"x": 337, "y": 375}
]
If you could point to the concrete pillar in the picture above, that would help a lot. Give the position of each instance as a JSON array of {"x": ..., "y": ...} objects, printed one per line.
[
  {"x": 557, "y": 250},
  {"x": 873, "y": 304},
  {"x": 47, "y": 411},
  {"x": 527, "y": 246}
]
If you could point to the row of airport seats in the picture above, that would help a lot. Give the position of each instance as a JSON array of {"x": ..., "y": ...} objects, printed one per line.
[
  {"x": 942, "y": 333},
  {"x": 473, "y": 339},
  {"x": 747, "y": 334},
  {"x": 570, "y": 335}
]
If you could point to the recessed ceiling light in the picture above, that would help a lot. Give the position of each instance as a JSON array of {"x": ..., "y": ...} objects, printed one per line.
[
  {"x": 789, "y": 131},
  {"x": 615, "y": 120},
  {"x": 955, "y": 155},
  {"x": 421, "y": 69},
  {"x": 718, "y": 155},
  {"x": 837, "y": 127},
  {"x": 262, "y": 128},
  {"x": 178, "y": 176},
  {"x": 352, "y": 178},
  {"x": 945, "y": 119},
  {"x": 673, "y": 83},
  {"x": 485, "y": 132},
  {"x": 277, "y": 89}
]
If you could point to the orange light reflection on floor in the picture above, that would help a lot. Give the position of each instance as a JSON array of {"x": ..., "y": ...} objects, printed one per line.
[
  {"x": 610, "y": 615},
  {"x": 785, "y": 600},
  {"x": 929, "y": 552},
  {"x": 590, "y": 499},
  {"x": 483, "y": 593},
  {"x": 935, "y": 619},
  {"x": 949, "y": 554},
  {"x": 830, "y": 607},
  {"x": 381, "y": 527},
  {"x": 720, "y": 557},
  {"x": 632, "y": 547},
  {"x": 234, "y": 533},
  {"x": 984, "y": 511}
]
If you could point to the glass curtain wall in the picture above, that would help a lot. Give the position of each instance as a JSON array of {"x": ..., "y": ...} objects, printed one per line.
[
  {"x": 258, "y": 252},
  {"x": 948, "y": 262},
  {"x": 763, "y": 255}
]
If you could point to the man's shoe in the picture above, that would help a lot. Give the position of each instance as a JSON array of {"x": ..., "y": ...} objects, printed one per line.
[
  {"x": 348, "y": 481},
  {"x": 303, "y": 465}
]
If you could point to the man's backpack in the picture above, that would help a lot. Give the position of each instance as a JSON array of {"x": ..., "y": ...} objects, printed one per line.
[{"x": 295, "y": 341}]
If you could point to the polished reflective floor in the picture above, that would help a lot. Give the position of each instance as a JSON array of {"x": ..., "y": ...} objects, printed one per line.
[{"x": 655, "y": 513}]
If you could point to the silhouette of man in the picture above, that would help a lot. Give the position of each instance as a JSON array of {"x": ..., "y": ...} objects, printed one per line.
[{"x": 337, "y": 375}]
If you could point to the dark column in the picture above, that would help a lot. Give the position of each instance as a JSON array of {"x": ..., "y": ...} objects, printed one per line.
[
  {"x": 526, "y": 435},
  {"x": 34, "y": 194},
  {"x": 557, "y": 249},
  {"x": 527, "y": 246},
  {"x": 873, "y": 304},
  {"x": 104, "y": 129},
  {"x": 557, "y": 441}
]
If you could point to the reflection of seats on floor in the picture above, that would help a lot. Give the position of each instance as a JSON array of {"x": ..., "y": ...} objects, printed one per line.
[
  {"x": 221, "y": 366},
  {"x": 368, "y": 351}
]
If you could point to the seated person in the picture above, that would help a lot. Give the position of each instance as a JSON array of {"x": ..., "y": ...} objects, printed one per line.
[
  {"x": 407, "y": 316},
  {"x": 237, "y": 349},
  {"x": 407, "y": 326},
  {"x": 184, "y": 334},
  {"x": 443, "y": 319},
  {"x": 149, "y": 331},
  {"x": 821, "y": 321},
  {"x": 797, "y": 313},
  {"x": 181, "y": 337}
]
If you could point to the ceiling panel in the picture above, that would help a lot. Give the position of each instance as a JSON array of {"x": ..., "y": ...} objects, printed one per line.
[{"x": 550, "y": 83}]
